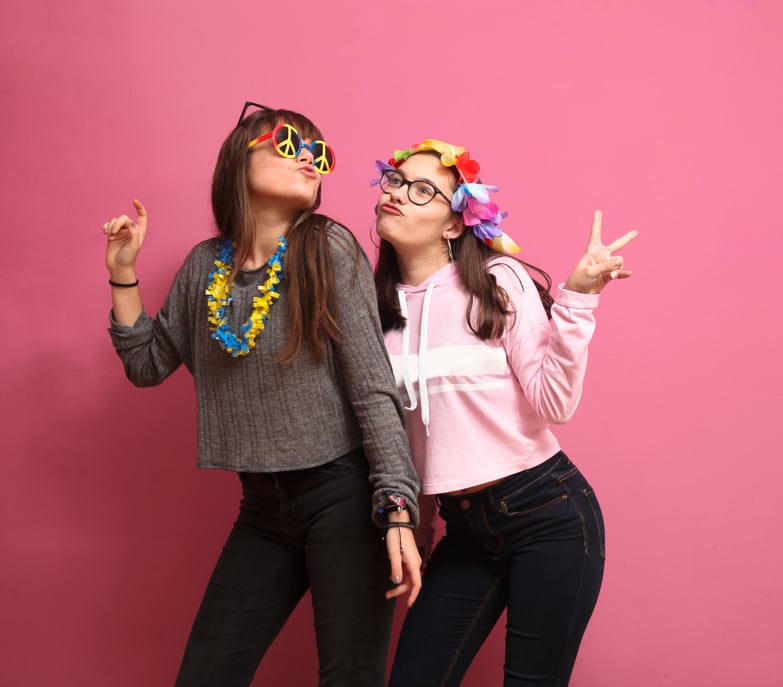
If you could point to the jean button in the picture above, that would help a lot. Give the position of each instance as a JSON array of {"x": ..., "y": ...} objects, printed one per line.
[{"x": 464, "y": 504}]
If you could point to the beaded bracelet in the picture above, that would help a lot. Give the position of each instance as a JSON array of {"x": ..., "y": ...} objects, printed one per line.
[{"x": 396, "y": 504}]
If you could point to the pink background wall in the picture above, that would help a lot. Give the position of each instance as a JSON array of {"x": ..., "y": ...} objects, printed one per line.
[{"x": 664, "y": 114}]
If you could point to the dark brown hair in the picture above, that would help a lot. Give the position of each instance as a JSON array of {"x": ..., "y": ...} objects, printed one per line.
[
  {"x": 489, "y": 305},
  {"x": 309, "y": 273}
]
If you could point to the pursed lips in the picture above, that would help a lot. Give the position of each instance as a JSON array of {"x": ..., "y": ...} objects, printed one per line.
[{"x": 391, "y": 209}]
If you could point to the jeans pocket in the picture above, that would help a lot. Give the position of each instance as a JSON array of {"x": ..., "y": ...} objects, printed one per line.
[
  {"x": 529, "y": 493},
  {"x": 587, "y": 509},
  {"x": 598, "y": 518},
  {"x": 534, "y": 490},
  {"x": 511, "y": 508}
]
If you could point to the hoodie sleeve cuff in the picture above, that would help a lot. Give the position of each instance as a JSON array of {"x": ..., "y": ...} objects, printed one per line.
[{"x": 574, "y": 299}]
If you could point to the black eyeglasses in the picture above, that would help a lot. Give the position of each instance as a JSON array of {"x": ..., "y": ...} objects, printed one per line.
[
  {"x": 248, "y": 104},
  {"x": 420, "y": 192}
]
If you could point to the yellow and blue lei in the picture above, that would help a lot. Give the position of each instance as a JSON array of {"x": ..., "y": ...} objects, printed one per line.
[{"x": 219, "y": 298}]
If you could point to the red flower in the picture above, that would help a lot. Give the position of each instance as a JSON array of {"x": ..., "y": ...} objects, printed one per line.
[{"x": 468, "y": 168}]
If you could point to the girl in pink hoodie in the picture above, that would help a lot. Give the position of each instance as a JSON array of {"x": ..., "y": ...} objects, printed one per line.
[{"x": 486, "y": 361}]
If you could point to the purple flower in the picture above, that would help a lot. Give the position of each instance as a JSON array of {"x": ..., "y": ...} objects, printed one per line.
[{"x": 380, "y": 167}]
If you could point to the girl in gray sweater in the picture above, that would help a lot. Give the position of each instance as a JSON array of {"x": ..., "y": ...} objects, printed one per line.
[{"x": 276, "y": 319}]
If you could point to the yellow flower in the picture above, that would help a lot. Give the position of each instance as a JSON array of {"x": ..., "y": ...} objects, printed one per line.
[{"x": 448, "y": 152}]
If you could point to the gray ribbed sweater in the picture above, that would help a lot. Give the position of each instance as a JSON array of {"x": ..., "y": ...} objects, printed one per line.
[{"x": 257, "y": 415}]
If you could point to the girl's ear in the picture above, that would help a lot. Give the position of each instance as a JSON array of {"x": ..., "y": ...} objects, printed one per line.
[{"x": 455, "y": 228}]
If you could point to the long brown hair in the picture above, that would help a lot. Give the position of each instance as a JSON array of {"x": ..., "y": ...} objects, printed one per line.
[
  {"x": 489, "y": 305},
  {"x": 308, "y": 267}
]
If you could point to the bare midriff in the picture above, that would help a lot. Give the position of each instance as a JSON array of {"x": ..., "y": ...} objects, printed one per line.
[{"x": 474, "y": 489}]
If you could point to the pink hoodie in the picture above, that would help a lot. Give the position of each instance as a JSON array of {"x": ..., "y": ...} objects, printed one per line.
[{"x": 477, "y": 410}]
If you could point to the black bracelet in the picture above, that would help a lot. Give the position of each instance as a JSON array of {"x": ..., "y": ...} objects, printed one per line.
[
  {"x": 124, "y": 286},
  {"x": 408, "y": 525},
  {"x": 397, "y": 525}
]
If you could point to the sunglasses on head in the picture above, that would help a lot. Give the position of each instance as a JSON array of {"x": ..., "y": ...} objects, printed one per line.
[{"x": 248, "y": 105}]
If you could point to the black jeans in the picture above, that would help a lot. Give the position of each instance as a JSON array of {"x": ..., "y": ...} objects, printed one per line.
[
  {"x": 532, "y": 544},
  {"x": 297, "y": 530}
]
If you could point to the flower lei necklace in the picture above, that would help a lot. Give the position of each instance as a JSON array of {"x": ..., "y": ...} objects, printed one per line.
[{"x": 219, "y": 298}]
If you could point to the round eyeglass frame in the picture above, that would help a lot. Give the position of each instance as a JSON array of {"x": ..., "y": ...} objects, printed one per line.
[{"x": 388, "y": 174}]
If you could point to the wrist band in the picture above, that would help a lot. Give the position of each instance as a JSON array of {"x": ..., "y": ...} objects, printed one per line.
[
  {"x": 397, "y": 525},
  {"x": 124, "y": 286},
  {"x": 408, "y": 525}
]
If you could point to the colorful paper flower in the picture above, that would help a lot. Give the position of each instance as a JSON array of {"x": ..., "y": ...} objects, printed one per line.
[
  {"x": 468, "y": 168},
  {"x": 399, "y": 156},
  {"x": 381, "y": 167},
  {"x": 471, "y": 198},
  {"x": 448, "y": 152}
]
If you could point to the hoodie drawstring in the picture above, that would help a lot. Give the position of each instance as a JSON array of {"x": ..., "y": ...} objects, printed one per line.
[
  {"x": 406, "y": 346},
  {"x": 423, "y": 331}
]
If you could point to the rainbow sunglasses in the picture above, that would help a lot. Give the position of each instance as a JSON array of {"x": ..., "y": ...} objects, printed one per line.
[{"x": 288, "y": 143}]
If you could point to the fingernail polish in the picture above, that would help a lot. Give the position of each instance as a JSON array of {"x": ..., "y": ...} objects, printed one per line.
[{"x": 397, "y": 579}]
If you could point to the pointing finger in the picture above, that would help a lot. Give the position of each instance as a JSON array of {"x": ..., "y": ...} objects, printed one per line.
[
  {"x": 141, "y": 211},
  {"x": 394, "y": 551}
]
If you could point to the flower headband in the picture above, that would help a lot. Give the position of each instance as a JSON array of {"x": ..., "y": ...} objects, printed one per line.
[{"x": 471, "y": 198}]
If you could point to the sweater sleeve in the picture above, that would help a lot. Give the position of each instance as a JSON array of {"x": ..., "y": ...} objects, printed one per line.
[
  {"x": 368, "y": 378},
  {"x": 153, "y": 348},
  {"x": 549, "y": 359}
]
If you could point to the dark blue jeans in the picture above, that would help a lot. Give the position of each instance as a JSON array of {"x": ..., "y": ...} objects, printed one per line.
[
  {"x": 297, "y": 530},
  {"x": 532, "y": 544}
]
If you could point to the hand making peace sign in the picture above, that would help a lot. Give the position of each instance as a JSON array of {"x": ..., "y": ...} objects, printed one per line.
[{"x": 597, "y": 267}]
